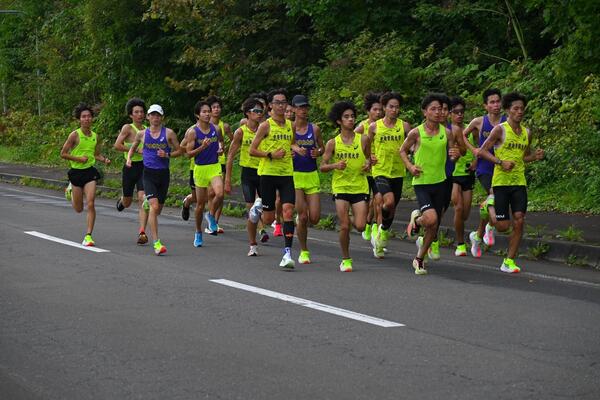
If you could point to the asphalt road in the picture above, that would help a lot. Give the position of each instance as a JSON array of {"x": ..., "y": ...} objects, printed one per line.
[{"x": 125, "y": 324}]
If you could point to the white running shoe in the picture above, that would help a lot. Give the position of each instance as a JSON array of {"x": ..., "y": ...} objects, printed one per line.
[
  {"x": 475, "y": 245},
  {"x": 252, "y": 252},
  {"x": 287, "y": 262},
  {"x": 255, "y": 211},
  {"x": 488, "y": 236}
]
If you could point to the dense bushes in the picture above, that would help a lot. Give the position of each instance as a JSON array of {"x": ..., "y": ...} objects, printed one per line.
[{"x": 174, "y": 52}]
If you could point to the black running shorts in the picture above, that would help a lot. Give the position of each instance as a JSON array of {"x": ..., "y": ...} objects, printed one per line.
[
  {"x": 351, "y": 198},
  {"x": 191, "y": 182},
  {"x": 271, "y": 184},
  {"x": 387, "y": 185},
  {"x": 156, "y": 183},
  {"x": 250, "y": 184},
  {"x": 514, "y": 197},
  {"x": 466, "y": 182},
  {"x": 80, "y": 177},
  {"x": 431, "y": 197},
  {"x": 133, "y": 177},
  {"x": 447, "y": 193},
  {"x": 372, "y": 185}
]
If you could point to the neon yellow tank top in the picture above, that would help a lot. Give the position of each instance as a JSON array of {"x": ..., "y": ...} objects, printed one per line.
[
  {"x": 431, "y": 157},
  {"x": 386, "y": 147},
  {"x": 278, "y": 138},
  {"x": 136, "y": 156},
  {"x": 223, "y": 157},
  {"x": 246, "y": 160},
  {"x": 460, "y": 167},
  {"x": 366, "y": 124},
  {"x": 512, "y": 149},
  {"x": 85, "y": 147},
  {"x": 351, "y": 180}
]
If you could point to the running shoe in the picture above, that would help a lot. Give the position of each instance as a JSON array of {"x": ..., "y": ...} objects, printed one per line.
[
  {"x": 252, "y": 252},
  {"x": 142, "y": 238},
  {"x": 88, "y": 241},
  {"x": 219, "y": 229},
  {"x": 488, "y": 236},
  {"x": 159, "y": 248},
  {"x": 304, "y": 257},
  {"x": 434, "y": 251},
  {"x": 212, "y": 224},
  {"x": 185, "y": 211},
  {"x": 419, "y": 243},
  {"x": 146, "y": 204},
  {"x": 475, "y": 244},
  {"x": 208, "y": 231},
  {"x": 419, "y": 266},
  {"x": 346, "y": 265},
  {"x": 461, "y": 250},
  {"x": 255, "y": 211},
  {"x": 264, "y": 236},
  {"x": 198, "y": 242},
  {"x": 413, "y": 228},
  {"x": 509, "y": 266},
  {"x": 120, "y": 206},
  {"x": 277, "y": 231},
  {"x": 374, "y": 235},
  {"x": 382, "y": 237},
  {"x": 69, "y": 192},
  {"x": 366, "y": 234},
  {"x": 287, "y": 263}
]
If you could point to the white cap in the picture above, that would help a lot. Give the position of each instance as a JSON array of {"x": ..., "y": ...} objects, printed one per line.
[{"x": 156, "y": 108}]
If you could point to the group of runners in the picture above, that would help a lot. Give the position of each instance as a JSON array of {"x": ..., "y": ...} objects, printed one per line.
[{"x": 279, "y": 151}]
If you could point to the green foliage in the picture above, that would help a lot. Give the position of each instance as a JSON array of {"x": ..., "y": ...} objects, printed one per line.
[
  {"x": 232, "y": 210},
  {"x": 538, "y": 251},
  {"x": 571, "y": 234},
  {"x": 174, "y": 52},
  {"x": 326, "y": 223}
]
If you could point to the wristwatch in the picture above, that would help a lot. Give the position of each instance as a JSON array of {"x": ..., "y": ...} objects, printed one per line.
[
  {"x": 499, "y": 162},
  {"x": 269, "y": 155}
]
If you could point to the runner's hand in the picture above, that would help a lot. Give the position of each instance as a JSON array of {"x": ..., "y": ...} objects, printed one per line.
[
  {"x": 301, "y": 151},
  {"x": 161, "y": 153},
  {"x": 341, "y": 165},
  {"x": 227, "y": 186},
  {"x": 128, "y": 163},
  {"x": 314, "y": 153},
  {"x": 277, "y": 154},
  {"x": 373, "y": 159},
  {"x": 415, "y": 170},
  {"x": 507, "y": 165},
  {"x": 83, "y": 159},
  {"x": 454, "y": 153},
  {"x": 539, "y": 154}
]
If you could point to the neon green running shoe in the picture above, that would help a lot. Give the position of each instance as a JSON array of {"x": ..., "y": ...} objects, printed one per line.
[
  {"x": 88, "y": 241},
  {"x": 434, "y": 250},
  {"x": 304, "y": 257},
  {"x": 346, "y": 265},
  {"x": 366, "y": 235},
  {"x": 509, "y": 266},
  {"x": 159, "y": 248},
  {"x": 461, "y": 250}
]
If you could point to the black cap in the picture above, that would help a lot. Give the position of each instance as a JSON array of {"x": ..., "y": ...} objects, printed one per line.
[{"x": 300, "y": 100}]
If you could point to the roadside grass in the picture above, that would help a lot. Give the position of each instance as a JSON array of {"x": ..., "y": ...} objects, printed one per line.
[{"x": 571, "y": 234}]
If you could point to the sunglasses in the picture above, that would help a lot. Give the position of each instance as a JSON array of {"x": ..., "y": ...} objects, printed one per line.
[{"x": 257, "y": 110}]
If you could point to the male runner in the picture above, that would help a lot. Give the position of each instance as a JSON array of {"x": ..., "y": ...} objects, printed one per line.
[
  {"x": 132, "y": 177},
  {"x": 347, "y": 155},
  {"x": 273, "y": 143},
  {"x": 82, "y": 150},
  {"x": 204, "y": 143},
  {"x": 306, "y": 177},
  {"x": 159, "y": 144},
  {"x": 463, "y": 177},
  {"x": 387, "y": 135},
  {"x": 432, "y": 144},
  {"x": 216, "y": 107},
  {"x": 242, "y": 138},
  {"x": 480, "y": 128},
  {"x": 374, "y": 112},
  {"x": 511, "y": 142}
]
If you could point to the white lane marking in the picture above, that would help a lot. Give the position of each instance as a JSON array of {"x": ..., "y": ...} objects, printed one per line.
[
  {"x": 310, "y": 304},
  {"x": 67, "y": 242}
]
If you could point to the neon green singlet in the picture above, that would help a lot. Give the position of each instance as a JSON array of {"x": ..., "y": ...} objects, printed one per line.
[
  {"x": 352, "y": 179},
  {"x": 223, "y": 157},
  {"x": 85, "y": 147},
  {"x": 431, "y": 157},
  {"x": 512, "y": 149},
  {"x": 246, "y": 160},
  {"x": 461, "y": 164},
  {"x": 386, "y": 147},
  {"x": 278, "y": 138},
  {"x": 136, "y": 156}
]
